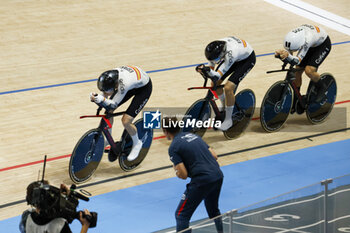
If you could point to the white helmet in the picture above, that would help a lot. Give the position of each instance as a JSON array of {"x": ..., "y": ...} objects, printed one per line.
[{"x": 294, "y": 39}]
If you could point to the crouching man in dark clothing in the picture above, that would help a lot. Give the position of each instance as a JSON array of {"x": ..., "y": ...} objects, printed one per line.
[{"x": 193, "y": 158}]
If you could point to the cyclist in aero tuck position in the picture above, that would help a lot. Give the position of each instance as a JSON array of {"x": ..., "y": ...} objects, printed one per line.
[
  {"x": 232, "y": 56},
  {"x": 118, "y": 86},
  {"x": 313, "y": 46}
]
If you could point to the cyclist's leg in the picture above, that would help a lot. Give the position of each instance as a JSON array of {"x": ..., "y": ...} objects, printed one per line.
[
  {"x": 140, "y": 99},
  {"x": 312, "y": 73},
  {"x": 229, "y": 103},
  {"x": 316, "y": 59},
  {"x": 239, "y": 70},
  {"x": 111, "y": 119},
  {"x": 297, "y": 82},
  {"x": 128, "y": 125}
]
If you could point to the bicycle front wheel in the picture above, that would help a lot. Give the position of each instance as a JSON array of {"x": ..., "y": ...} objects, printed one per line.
[
  {"x": 199, "y": 111},
  {"x": 276, "y": 106},
  {"x": 86, "y": 156}
]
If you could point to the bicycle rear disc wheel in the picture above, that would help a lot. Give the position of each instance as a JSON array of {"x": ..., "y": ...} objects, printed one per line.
[
  {"x": 316, "y": 113},
  {"x": 146, "y": 136},
  {"x": 86, "y": 156},
  {"x": 243, "y": 113},
  {"x": 276, "y": 106},
  {"x": 199, "y": 111}
]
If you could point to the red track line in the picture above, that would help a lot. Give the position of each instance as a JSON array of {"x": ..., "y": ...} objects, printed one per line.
[
  {"x": 343, "y": 102},
  {"x": 32, "y": 163},
  {"x": 66, "y": 156}
]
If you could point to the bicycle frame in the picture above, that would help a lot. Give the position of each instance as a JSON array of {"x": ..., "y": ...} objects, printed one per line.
[
  {"x": 210, "y": 95},
  {"x": 104, "y": 126},
  {"x": 290, "y": 77}
]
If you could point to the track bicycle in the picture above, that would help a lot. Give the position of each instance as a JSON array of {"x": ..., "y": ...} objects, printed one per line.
[
  {"x": 201, "y": 111},
  {"x": 89, "y": 150},
  {"x": 283, "y": 96}
]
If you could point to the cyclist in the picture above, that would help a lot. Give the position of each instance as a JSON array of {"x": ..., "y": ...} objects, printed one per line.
[
  {"x": 118, "y": 86},
  {"x": 312, "y": 45},
  {"x": 232, "y": 57}
]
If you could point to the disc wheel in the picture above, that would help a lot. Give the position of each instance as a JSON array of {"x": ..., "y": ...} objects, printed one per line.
[
  {"x": 276, "y": 106},
  {"x": 86, "y": 156},
  {"x": 316, "y": 112},
  {"x": 199, "y": 111},
  {"x": 146, "y": 136},
  {"x": 244, "y": 111}
]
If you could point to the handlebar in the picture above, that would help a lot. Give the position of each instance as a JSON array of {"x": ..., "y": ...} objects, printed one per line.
[
  {"x": 285, "y": 63},
  {"x": 206, "y": 77},
  {"x": 107, "y": 115},
  {"x": 284, "y": 69},
  {"x": 98, "y": 110},
  {"x": 192, "y": 88},
  {"x": 104, "y": 117}
]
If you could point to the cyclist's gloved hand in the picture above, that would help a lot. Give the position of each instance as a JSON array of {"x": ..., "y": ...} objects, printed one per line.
[
  {"x": 97, "y": 98},
  {"x": 202, "y": 69},
  {"x": 199, "y": 68},
  {"x": 281, "y": 54}
]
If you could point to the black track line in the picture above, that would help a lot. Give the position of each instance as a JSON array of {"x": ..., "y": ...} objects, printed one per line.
[{"x": 169, "y": 166}]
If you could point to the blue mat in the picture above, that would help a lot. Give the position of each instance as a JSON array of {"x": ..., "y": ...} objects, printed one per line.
[{"x": 150, "y": 207}]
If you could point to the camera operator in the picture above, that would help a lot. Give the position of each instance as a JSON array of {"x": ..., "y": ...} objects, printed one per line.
[{"x": 35, "y": 220}]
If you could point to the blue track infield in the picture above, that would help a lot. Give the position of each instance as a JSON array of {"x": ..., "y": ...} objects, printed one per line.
[{"x": 150, "y": 207}]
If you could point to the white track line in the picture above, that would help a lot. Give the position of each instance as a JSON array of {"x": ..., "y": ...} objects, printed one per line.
[
  {"x": 337, "y": 192},
  {"x": 301, "y": 227},
  {"x": 279, "y": 206},
  {"x": 267, "y": 227},
  {"x": 340, "y": 218},
  {"x": 313, "y": 13}
]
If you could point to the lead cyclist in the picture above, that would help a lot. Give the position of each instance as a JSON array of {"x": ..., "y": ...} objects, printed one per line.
[{"x": 118, "y": 86}]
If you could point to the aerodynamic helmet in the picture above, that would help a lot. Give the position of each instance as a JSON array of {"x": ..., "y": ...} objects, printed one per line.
[
  {"x": 294, "y": 39},
  {"x": 215, "y": 50},
  {"x": 108, "y": 80}
]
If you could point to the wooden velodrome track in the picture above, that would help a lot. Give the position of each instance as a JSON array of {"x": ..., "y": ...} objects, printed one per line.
[{"x": 59, "y": 42}]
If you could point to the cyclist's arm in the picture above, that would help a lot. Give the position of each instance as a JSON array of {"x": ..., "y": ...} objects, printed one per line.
[
  {"x": 215, "y": 74},
  {"x": 111, "y": 104},
  {"x": 211, "y": 65},
  {"x": 295, "y": 60},
  {"x": 223, "y": 68}
]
